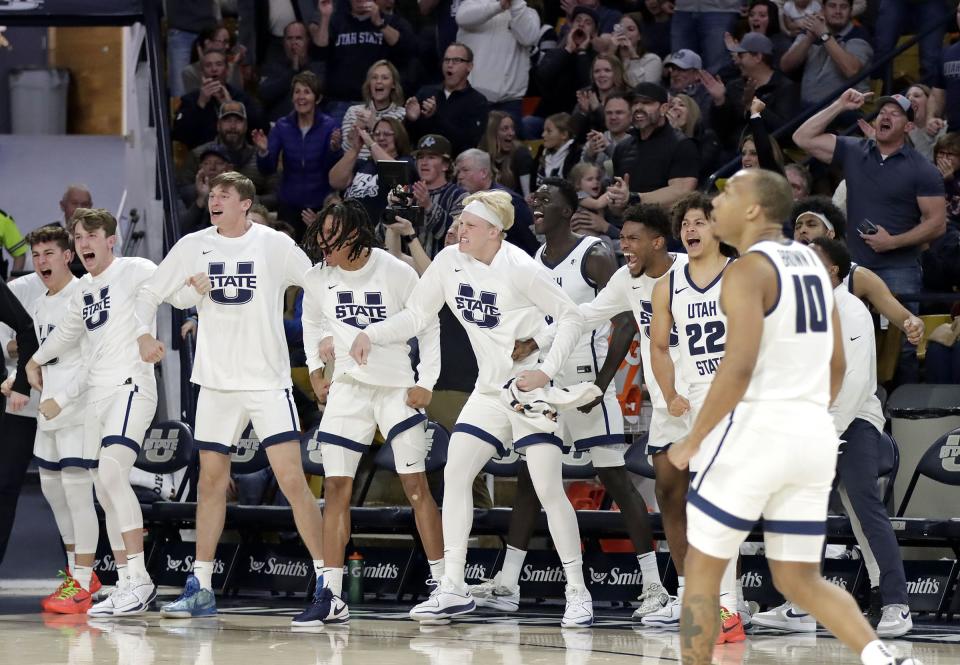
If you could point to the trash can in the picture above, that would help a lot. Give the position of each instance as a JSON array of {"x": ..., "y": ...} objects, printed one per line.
[
  {"x": 920, "y": 414},
  {"x": 38, "y": 100}
]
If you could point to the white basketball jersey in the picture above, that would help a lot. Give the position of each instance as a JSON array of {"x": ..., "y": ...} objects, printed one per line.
[
  {"x": 793, "y": 363},
  {"x": 643, "y": 295},
  {"x": 570, "y": 273},
  {"x": 65, "y": 377},
  {"x": 702, "y": 329}
]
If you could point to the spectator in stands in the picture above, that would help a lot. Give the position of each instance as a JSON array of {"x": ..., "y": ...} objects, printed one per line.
[
  {"x": 699, "y": 27},
  {"x": 500, "y": 34},
  {"x": 232, "y": 141},
  {"x": 186, "y": 19},
  {"x": 801, "y": 182},
  {"x": 278, "y": 71},
  {"x": 592, "y": 216},
  {"x": 947, "y": 159},
  {"x": 216, "y": 37},
  {"x": 945, "y": 97},
  {"x": 358, "y": 176},
  {"x": 889, "y": 183},
  {"x": 513, "y": 164},
  {"x": 445, "y": 12},
  {"x": 656, "y": 25},
  {"x": 453, "y": 109},
  {"x": 656, "y": 162},
  {"x": 78, "y": 196},
  {"x": 382, "y": 97},
  {"x": 13, "y": 242},
  {"x": 731, "y": 100},
  {"x": 683, "y": 114},
  {"x": 641, "y": 64},
  {"x": 683, "y": 68},
  {"x": 896, "y": 17},
  {"x": 794, "y": 11},
  {"x": 440, "y": 199},
  {"x": 607, "y": 77},
  {"x": 475, "y": 174},
  {"x": 941, "y": 261},
  {"x": 617, "y": 116},
  {"x": 565, "y": 69},
  {"x": 605, "y": 18},
  {"x": 262, "y": 25},
  {"x": 309, "y": 141},
  {"x": 350, "y": 42},
  {"x": 196, "y": 121},
  {"x": 926, "y": 129},
  {"x": 831, "y": 50},
  {"x": 213, "y": 161},
  {"x": 559, "y": 151},
  {"x": 764, "y": 18}
]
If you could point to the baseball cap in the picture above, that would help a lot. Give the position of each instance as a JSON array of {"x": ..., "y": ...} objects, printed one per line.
[
  {"x": 433, "y": 144},
  {"x": 214, "y": 149},
  {"x": 754, "y": 42},
  {"x": 652, "y": 91},
  {"x": 233, "y": 108},
  {"x": 900, "y": 101},
  {"x": 684, "y": 59},
  {"x": 590, "y": 11}
]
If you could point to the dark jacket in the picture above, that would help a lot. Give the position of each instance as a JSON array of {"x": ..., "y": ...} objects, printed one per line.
[
  {"x": 520, "y": 234},
  {"x": 780, "y": 94},
  {"x": 307, "y": 159},
  {"x": 461, "y": 117},
  {"x": 14, "y": 315},
  {"x": 194, "y": 125},
  {"x": 559, "y": 76}
]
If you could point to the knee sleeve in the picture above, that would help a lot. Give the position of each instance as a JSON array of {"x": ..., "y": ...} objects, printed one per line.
[
  {"x": 114, "y": 472},
  {"x": 78, "y": 487},
  {"x": 52, "y": 487},
  {"x": 544, "y": 464}
]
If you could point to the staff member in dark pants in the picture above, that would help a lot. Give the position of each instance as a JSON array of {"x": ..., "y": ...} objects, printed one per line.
[{"x": 16, "y": 460}]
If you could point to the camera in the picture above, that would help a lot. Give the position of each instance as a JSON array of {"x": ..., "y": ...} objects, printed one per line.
[{"x": 406, "y": 209}]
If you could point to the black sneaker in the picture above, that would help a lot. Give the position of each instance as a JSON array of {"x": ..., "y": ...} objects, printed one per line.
[
  {"x": 875, "y": 610},
  {"x": 317, "y": 610}
]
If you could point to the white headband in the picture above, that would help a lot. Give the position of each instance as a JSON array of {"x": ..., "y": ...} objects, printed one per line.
[
  {"x": 484, "y": 212},
  {"x": 820, "y": 216}
]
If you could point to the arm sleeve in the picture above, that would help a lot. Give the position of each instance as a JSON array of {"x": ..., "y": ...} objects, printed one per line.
[
  {"x": 314, "y": 326},
  {"x": 424, "y": 303},
  {"x": 297, "y": 264},
  {"x": 166, "y": 280},
  {"x": 524, "y": 24},
  {"x": 428, "y": 370},
  {"x": 856, "y": 386},
  {"x": 608, "y": 303},
  {"x": 550, "y": 298}
]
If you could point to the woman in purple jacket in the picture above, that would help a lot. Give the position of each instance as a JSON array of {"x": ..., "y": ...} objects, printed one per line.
[{"x": 310, "y": 143}]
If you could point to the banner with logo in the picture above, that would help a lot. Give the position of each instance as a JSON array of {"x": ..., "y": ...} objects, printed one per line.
[
  {"x": 928, "y": 583},
  {"x": 758, "y": 582},
  {"x": 272, "y": 567},
  {"x": 384, "y": 569},
  {"x": 171, "y": 563}
]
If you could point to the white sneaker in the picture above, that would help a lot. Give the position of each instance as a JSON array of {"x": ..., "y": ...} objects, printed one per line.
[
  {"x": 653, "y": 599},
  {"x": 746, "y": 611},
  {"x": 895, "y": 622},
  {"x": 445, "y": 601},
  {"x": 105, "y": 607},
  {"x": 787, "y": 617},
  {"x": 579, "y": 611},
  {"x": 666, "y": 617},
  {"x": 496, "y": 596},
  {"x": 133, "y": 597}
]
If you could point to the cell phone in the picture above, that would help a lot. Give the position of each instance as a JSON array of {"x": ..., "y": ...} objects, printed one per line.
[
  {"x": 617, "y": 28},
  {"x": 867, "y": 227}
]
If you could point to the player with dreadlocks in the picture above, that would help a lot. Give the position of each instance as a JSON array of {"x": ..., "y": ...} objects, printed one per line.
[{"x": 357, "y": 284}]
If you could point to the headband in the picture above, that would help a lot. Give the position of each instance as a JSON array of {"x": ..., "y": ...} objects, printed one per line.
[
  {"x": 484, "y": 212},
  {"x": 818, "y": 215}
]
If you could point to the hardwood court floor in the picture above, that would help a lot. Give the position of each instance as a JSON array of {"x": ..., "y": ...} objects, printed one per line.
[{"x": 262, "y": 635}]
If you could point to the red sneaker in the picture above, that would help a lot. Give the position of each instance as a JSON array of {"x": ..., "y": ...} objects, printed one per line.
[
  {"x": 73, "y": 599},
  {"x": 731, "y": 628},
  {"x": 94, "y": 584},
  {"x": 67, "y": 579}
]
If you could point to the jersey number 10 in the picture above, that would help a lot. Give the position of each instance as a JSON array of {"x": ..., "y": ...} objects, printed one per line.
[{"x": 811, "y": 305}]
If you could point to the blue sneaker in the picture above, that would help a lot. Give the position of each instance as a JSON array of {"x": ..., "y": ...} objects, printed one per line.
[
  {"x": 193, "y": 602},
  {"x": 324, "y": 608}
]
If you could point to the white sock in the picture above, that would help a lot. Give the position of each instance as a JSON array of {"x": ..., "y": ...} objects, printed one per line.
[
  {"x": 574, "y": 571},
  {"x": 121, "y": 572},
  {"x": 728, "y": 586},
  {"x": 71, "y": 561},
  {"x": 318, "y": 571},
  {"x": 137, "y": 567},
  {"x": 455, "y": 563},
  {"x": 681, "y": 582},
  {"x": 512, "y": 565},
  {"x": 436, "y": 568},
  {"x": 333, "y": 580},
  {"x": 876, "y": 653},
  {"x": 648, "y": 568},
  {"x": 83, "y": 574},
  {"x": 203, "y": 570}
]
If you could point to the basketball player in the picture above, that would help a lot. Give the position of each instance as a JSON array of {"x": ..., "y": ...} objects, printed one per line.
[
  {"x": 242, "y": 366},
  {"x": 581, "y": 265},
  {"x": 768, "y": 443},
  {"x": 689, "y": 303},
  {"x": 501, "y": 295},
  {"x": 859, "y": 421},
  {"x": 121, "y": 393},
  {"x": 358, "y": 284},
  {"x": 818, "y": 217},
  {"x": 644, "y": 236}
]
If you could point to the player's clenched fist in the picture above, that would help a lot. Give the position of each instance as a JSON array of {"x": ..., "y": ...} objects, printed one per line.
[
  {"x": 360, "y": 349},
  {"x": 418, "y": 397},
  {"x": 152, "y": 350},
  {"x": 678, "y": 406},
  {"x": 200, "y": 282},
  {"x": 327, "y": 353}
]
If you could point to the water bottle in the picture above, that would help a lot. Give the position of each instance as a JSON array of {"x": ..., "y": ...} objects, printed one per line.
[{"x": 355, "y": 583}]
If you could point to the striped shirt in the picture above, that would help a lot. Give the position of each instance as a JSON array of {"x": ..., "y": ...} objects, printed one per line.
[
  {"x": 447, "y": 203},
  {"x": 350, "y": 119}
]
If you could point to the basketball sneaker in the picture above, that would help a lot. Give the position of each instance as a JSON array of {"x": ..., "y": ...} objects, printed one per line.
[
  {"x": 446, "y": 600},
  {"x": 193, "y": 602},
  {"x": 787, "y": 617},
  {"x": 895, "y": 622},
  {"x": 653, "y": 599},
  {"x": 579, "y": 611},
  {"x": 326, "y": 608},
  {"x": 95, "y": 586},
  {"x": 496, "y": 596},
  {"x": 131, "y": 597},
  {"x": 72, "y": 599},
  {"x": 731, "y": 628},
  {"x": 667, "y": 617},
  {"x": 875, "y": 609}
]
